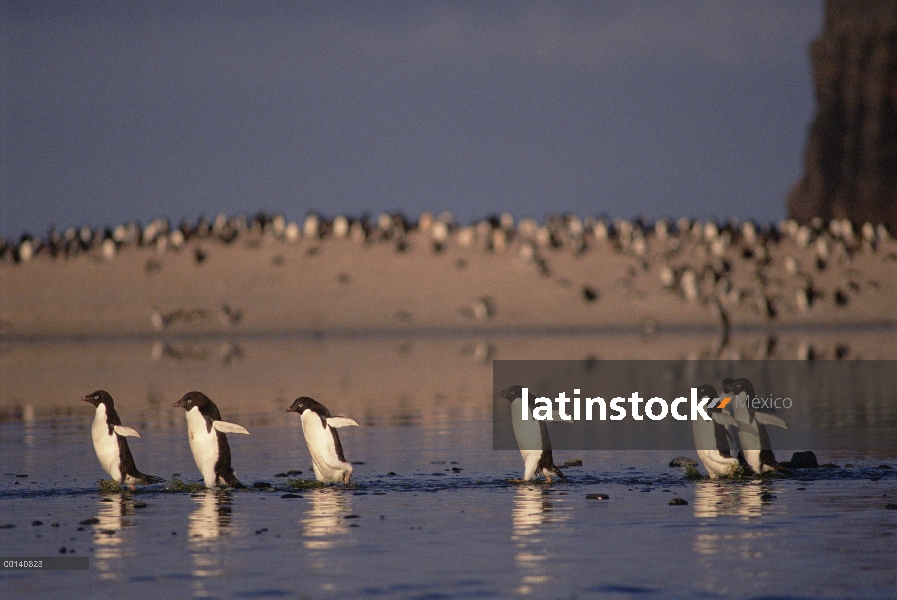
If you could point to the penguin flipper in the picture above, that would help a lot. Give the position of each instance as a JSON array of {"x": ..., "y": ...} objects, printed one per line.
[
  {"x": 768, "y": 419},
  {"x": 342, "y": 422},
  {"x": 125, "y": 431},
  {"x": 747, "y": 427},
  {"x": 225, "y": 427}
]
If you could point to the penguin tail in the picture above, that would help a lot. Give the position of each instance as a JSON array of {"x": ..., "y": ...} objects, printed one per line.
[
  {"x": 231, "y": 480},
  {"x": 553, "y": 471},
  {"x": 149, "y": 479}
]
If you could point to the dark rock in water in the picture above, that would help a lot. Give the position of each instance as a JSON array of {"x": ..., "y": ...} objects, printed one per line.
[
  {"x": 884, "y": 466},
  {"x": 281, "y": 475},
  {"x": 22, "y": 475},
  {"x": 766, "y": 496},
  {"x": 37, "y": 523},
  {"x": 63, "y": 550},
  {"x": 391, "y": 474},
  {"x": 140, "y": 505},
  {"x": 456, "y": 470},
  {"x": 261, "y": 485},
  {"x": 7, "y": 526},
  {"x": 294, "y": 472},
  {"x": 803, "y": 460},
  {"x": 576, "y": 462},
  {"x": 891, "y": 506},
  {"x": 352, "y": 517},
  {"x": 848, "y": 466},
  {"x": 357, "y": 462},
  {"x": 597, "y": 497},
  {"x": 683, "y": 461},
  {"x": 849, "y": 162},
  {"x": 678, "y": 502},
  {"x": 292, "y": 496}
]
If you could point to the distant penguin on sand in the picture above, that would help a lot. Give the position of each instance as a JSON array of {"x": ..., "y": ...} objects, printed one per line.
[
  {"x": 110, "y": 444},
  {"x": 319, "y": 428},
  {"x": 712, "y": 438},
  {"x": 206, "y": 430},
  {"x": 752, "y": 424},
  {"x": 532, "y": 439}
]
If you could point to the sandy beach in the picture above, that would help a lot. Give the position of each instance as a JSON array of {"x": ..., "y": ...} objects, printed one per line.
[{"x": 569, "y": 276}]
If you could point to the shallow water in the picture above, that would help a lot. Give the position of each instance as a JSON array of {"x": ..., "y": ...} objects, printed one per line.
[
  {"x": 429, "y": 532},
  {"x": 430, "y": 514}
]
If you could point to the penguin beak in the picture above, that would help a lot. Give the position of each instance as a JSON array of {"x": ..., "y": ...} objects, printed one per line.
[
  {"x": 87, "y": 399},
  {"x": 177, "y": 404}
]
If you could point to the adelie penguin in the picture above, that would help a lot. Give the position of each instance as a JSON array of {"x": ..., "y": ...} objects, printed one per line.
[
  {"x": 532, "y": 439},
  {"x": 110, "y": 444},
  {"x": 319, "y": 428},
  {"x": 206, "y": 430},
  {"x": 712, "y": 438},
  {"x": 752, "y": 434}
]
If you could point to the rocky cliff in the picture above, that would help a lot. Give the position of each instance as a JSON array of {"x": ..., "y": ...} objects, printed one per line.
[{"x": 851, "y": 156}]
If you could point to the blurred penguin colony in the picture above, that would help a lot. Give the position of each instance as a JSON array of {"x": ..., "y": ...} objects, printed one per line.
[{"x": 780, "y": 266}]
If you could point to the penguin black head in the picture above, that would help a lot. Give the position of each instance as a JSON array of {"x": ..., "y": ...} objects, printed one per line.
[
  {"x": 707, "y": 391},
  {"x": 727, "y": 385},
  {"x": 742, "y": 385},
  {"x": 511, "y": 393},
  {"x": 193, "y": 400},
  {"x": 99, "y": 397},
  {"x": 304, "y": 403}
]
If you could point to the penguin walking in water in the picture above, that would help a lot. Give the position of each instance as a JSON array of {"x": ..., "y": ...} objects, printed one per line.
[
  {"x": 735, "y": 442},
  {"x": 532, "y": 439},
  {"x": 752, "y": 434},
  {"x": 712, "y": 438},
  {"x": 206, "y": 430},
  {"x": 110, "y": 444},
  {"x": 319, "y": 427}
]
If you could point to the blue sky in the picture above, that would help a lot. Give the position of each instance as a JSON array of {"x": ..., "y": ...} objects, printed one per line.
[{"x": 122, "y": 111}]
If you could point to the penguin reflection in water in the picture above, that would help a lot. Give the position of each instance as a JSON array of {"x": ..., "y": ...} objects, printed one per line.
[
  {"x": 712, "y": 438},
  {"x": 206, "y": 430},
  {"x": 532, "y": 439},
  {"x": 319, "y": 428},
  {"x": 110, "y": 444}
]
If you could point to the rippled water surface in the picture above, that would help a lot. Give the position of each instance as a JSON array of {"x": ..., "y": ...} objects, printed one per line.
[{"x": 431, "y": 513}]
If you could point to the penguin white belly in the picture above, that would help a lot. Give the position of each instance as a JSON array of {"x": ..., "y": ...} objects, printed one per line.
[
  {"x": 106, "y": 445},
  {"x": 717, "y": 465},
  {"x": 325, "y": 461},
  {"x": 530, "y": 463},
  {"x": 529, "y": 439},
  {"x": 203, "y": 445},
  {"x": 748, "y": 436}
]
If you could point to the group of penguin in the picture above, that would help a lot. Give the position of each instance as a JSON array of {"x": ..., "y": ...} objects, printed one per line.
[
  {"x": 745, "y": 428},
  {"x": 727, "y": 444},
  {"x": 206, "y": 432}
]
